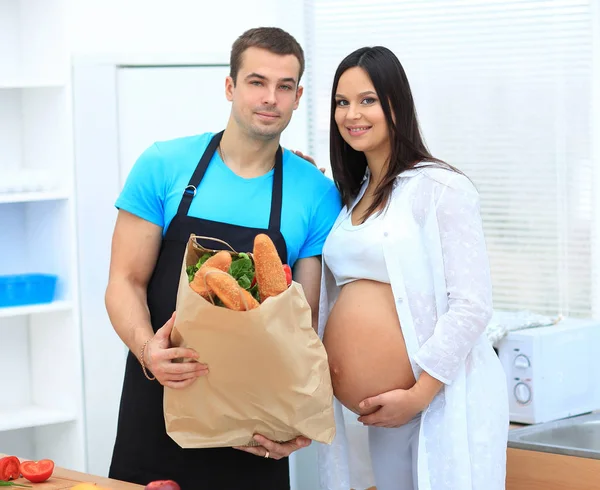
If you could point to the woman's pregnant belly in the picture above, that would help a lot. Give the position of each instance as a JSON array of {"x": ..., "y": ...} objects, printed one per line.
[{"x": 365, "y": 346}]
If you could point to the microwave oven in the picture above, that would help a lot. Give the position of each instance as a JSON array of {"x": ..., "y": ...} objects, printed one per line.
[{"x": 552, "y": 372}]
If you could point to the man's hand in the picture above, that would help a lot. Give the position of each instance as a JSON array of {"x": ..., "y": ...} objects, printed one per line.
[
  {"x": 273, "y": 449},
  {"x": 159, "y": 356},
  {"x": 307, "y": 158}
]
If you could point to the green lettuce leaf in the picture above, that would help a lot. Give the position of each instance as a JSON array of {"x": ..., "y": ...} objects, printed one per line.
[
  {"x": 242, "y": 270},
  {"x": 192, "y": 269}
]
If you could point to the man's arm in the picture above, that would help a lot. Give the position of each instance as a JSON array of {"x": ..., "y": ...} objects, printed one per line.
[
  {"x": 135, "y": 247},
  {"x": 308, "y": 273}
]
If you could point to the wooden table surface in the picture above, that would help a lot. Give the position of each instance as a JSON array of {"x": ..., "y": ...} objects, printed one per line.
[{"x": 63, "y": 479}]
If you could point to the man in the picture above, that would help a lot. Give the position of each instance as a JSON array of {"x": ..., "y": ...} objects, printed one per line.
[{"x": 232, "y": 186}]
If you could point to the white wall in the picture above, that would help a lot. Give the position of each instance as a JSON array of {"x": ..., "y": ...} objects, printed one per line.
[
  {"x": 180, "y": 29},
  {"x": 115, "y": 31},
  {"x": 178, "y": 26}
]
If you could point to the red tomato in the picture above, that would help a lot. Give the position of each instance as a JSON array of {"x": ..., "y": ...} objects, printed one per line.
[
  {"x": 9, "y": 468},
  {"x": 162, "y": 485},
  {"x": 288, "y": 273},
  {"x": 37, "y": 471}
]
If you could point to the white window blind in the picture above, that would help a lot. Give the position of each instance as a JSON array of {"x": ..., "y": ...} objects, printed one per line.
[{"x": 503, "y": 91}]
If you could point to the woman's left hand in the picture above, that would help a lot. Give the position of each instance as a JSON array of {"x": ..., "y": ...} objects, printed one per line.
[
  {"x": 273, "y": 450},
  {"x": 396, "y": 408}
]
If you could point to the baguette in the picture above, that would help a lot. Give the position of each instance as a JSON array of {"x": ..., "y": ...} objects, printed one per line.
[
  {"x": 226, "y": 288},
  {"x": 250, "y": 300},
  {"x": 270, "y": 276},
  {"x": 221, "y": 260}
]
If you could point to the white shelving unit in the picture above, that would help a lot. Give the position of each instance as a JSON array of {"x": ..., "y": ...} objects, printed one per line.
[
  {"x": 17, "y": 311},
  {"x": 7, "y": 83},
  {"x": 12, "y": 197},
  {"x": 41, "y": 408},
  {"x": 33, "y": 416}
]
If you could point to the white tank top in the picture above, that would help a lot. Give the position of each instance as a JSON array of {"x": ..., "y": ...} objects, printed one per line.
[{"x": 354, "y": 252}]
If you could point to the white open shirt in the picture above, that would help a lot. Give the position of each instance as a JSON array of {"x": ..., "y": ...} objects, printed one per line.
[{"x": 437, "y": 262}]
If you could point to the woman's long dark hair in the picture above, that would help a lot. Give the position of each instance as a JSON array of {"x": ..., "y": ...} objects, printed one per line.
[{"x": 407, "y": 146}]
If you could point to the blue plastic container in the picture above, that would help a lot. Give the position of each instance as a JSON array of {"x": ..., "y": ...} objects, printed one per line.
[{"x": 27, "y": 289}]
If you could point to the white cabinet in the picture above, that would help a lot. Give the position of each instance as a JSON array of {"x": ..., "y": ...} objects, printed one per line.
[
  {"x": 41, "y": 409},
  {"x": 33, "y": 47}
]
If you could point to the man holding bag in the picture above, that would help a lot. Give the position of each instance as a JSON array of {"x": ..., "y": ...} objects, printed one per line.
[{"x": 232, "y": 186}]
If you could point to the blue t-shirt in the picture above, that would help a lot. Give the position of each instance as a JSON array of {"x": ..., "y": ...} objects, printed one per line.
[{"x": 310, "y": 202}]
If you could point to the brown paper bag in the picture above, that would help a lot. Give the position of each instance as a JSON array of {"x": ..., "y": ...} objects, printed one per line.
[{"x": 268, "y": 374}]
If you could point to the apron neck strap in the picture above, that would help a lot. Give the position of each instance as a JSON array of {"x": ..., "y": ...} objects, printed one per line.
[{"x": 277, "y": 193}]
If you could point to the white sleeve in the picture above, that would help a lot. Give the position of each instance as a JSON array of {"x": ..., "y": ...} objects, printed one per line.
[{"x": 467, "y": 279}]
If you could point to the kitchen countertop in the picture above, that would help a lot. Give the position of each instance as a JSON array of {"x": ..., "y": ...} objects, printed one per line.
[
  {"x": 64, "y": 479},
  {"x": 575, "y": 436}
]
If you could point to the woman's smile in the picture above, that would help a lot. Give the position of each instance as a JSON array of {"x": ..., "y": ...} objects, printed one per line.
[{"x": 357, "y": 130}]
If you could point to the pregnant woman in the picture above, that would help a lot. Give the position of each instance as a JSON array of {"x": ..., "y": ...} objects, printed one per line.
[{"x": 421, "y": 398}]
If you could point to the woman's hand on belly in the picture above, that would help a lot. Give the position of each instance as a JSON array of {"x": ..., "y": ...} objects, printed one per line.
[
  {"x": 274, "y": 450},
  {"x": 396, "y": 408}
]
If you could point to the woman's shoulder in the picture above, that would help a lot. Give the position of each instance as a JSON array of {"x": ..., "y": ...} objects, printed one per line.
[{"x": 438, "y": 175}]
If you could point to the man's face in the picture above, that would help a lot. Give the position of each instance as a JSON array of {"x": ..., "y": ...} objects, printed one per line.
[{"x": 265, "y": 94}]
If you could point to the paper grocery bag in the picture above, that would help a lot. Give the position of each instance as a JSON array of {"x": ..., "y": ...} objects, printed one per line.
[{"x": 268, "y": 371}]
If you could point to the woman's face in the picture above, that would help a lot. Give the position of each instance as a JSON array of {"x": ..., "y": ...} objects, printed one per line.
[{"x": 358, "y": 113}]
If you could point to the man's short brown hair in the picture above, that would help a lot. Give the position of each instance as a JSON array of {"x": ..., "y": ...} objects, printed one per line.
[{"x": 272, "y": 39}]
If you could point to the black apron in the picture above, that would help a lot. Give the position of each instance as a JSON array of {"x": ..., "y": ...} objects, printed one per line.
[{"x": 143, "y": 451}]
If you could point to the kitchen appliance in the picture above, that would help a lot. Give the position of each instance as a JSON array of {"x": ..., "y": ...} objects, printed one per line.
[{"x": 552, "y": 372}]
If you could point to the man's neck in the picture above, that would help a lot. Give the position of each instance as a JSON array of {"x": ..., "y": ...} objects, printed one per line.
[{"x": 247, "y": 156}]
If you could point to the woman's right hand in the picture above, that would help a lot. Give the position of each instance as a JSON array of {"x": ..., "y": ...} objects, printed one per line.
[{"x": 159, "y": 359}]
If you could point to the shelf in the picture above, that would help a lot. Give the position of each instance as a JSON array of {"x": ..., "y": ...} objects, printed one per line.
[
  {"x": 33, "y": 416},
  {"x": 13, "y": 311},
  {"x": 14, "y": 197},
  {"x": 31, "y": 83},
  {"x": 41, "y": 409}
]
